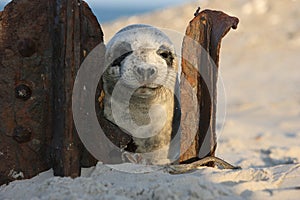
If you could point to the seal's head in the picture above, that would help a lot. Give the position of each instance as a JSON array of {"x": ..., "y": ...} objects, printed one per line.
[{"x": 142, "y": 58}]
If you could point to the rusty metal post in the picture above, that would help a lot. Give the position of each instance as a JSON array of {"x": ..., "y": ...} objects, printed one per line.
[
  {"x": 200, "y": 63},
  {"x": 42, "y": 44},
  {"x": 67, "y": 46},
  {"x": 71, "y": 32}
]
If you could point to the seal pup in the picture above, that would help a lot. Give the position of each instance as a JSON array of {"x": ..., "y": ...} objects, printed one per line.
[{"x": 139, "y": 85}]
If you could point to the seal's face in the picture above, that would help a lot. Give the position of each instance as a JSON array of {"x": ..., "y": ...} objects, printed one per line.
[{"x": 141, "y": 58}]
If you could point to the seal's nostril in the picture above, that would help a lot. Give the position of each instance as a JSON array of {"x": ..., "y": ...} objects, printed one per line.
[
  {"x": 152, "y": 71},
  {"x": 140, "y": 71}
]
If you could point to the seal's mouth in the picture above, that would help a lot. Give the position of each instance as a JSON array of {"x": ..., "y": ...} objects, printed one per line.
[
  {"x": 147, "y": 90},
  {"x": 151, "y": 86}
]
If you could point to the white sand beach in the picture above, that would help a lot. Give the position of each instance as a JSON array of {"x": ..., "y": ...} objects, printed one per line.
[{"x": 260, "y": 69}]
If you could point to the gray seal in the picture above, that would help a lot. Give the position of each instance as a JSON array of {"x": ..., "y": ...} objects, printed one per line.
[{"x": 139, "y": 83}]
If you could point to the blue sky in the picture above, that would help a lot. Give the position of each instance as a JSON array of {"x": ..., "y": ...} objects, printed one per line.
[
  {"x": 109, "y": 10},
  {"x": 2, "y": 3}
]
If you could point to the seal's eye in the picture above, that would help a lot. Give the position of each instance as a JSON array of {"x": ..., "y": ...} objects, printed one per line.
[
  {"x": 121, "y": 51},
  {"x": 117, "y": 61},
  {"x": 166, "y": 54}
]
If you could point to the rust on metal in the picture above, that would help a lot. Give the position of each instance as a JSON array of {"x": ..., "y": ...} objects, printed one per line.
[
  {"x": 38, "y": 62},
  {"x": 23, "y": 92},
  {"x": 26, "y": 47},
  {"x": 76, "y": 31},
  {"x": 200, "y": 68},
  {"x": 22, "y": 134},
  {"x": 197, "y": 12}
]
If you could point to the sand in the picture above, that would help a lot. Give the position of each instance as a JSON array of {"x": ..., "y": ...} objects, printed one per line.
[{"x": 261, "y": 74}]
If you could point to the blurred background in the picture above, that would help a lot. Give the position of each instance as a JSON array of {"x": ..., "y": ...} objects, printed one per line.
[{"x": 110, "y": 10}]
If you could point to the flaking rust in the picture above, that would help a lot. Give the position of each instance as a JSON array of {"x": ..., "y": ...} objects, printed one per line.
[
  {"x": 200, "y": 63},
  {"x": 40, "y": 53}
]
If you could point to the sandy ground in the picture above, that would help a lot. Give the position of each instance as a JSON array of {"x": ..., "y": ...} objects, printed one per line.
[{"x": 261, "y": 75}]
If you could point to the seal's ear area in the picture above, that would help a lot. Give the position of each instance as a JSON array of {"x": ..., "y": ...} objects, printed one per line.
[
  {"x": 216, "y": 25},
  {"x": 120, "y": 52},
  {"x": 166, "y": 53}
]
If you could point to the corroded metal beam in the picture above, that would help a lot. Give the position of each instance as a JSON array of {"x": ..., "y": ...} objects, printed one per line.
[
  {"x": 200, "y": 63},
  {"x": 42, "y": 44}
]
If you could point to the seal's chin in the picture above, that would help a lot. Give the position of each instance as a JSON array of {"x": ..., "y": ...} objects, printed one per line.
[{"x": 147, "y": 90}]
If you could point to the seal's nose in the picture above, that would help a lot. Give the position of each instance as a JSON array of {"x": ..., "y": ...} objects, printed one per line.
[{"x": 146, "y": 73}]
